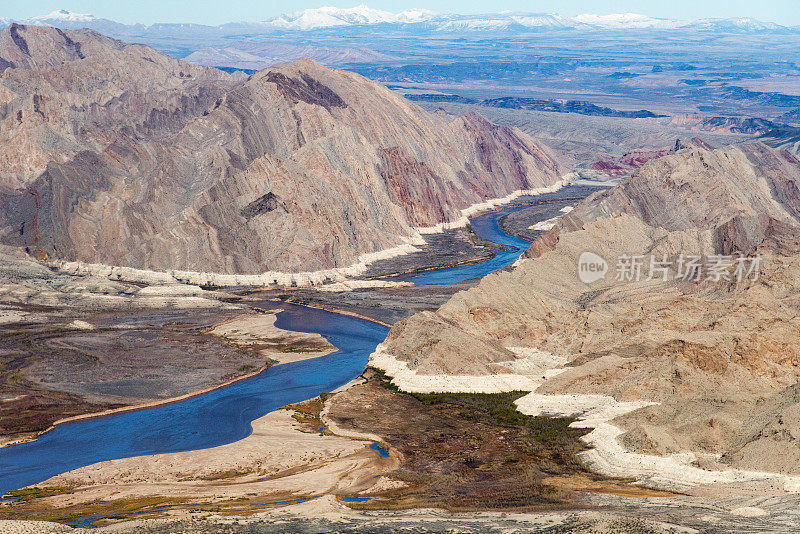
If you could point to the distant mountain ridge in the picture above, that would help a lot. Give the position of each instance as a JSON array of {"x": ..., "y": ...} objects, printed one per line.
[
  {"x": 557, "y": 106},
  {"x": 254, "y": 55},
  {"x": 417, "y": 21}
]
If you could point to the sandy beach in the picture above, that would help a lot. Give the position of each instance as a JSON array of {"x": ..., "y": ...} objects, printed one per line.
[{"x": 276, "y": 459}]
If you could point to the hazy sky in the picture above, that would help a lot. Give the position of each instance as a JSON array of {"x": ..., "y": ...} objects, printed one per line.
[{"x": 785, "y": 12}]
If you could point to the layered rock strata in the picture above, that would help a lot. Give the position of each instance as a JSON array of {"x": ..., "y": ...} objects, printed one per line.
[{"x": 117, "y": 155}]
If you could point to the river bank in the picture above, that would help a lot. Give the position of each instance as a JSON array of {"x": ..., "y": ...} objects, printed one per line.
[
  {"x": 407, "y": 244},
  {"x": 250, "y": 330},
  {"x": 215, "y": 418},
  {"x": 173, "y": 435}
]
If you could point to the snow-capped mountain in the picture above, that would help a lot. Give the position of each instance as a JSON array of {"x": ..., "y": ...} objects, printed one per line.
[
  {"x": 738, "y": 25},
  {"x": 362, "y": 15},
  {"x": 620, "y": 21},
  {"x": 416, "y": 15},
  {"x": 62, "y": 15},
  {"x": 71, "y": 21},
  {"x": 416, "y": 20},
  {"x": 328, "y": 17},
  {"x": 542, "y": 20}
]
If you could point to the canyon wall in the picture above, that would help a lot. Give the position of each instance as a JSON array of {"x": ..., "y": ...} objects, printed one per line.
[{"x": 116, "y": 154}]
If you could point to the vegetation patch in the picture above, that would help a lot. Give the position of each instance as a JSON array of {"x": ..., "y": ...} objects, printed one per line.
[
  {"x": 34, "y": 510},
  {"x": 308, "y": 414},
  {"x": 208, "y": 286},
  {"x": 224, "y": 475},
  {"x": 499, "y": 409},
  {"x": 289, "y": 349},
  {"x": 468, "y": 452},
  {"x": 27, "y": 494}
]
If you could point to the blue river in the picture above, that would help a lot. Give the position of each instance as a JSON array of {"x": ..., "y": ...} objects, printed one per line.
[
  {"x": 224, "y": 415},
  {"x": 486, "y": 227}
]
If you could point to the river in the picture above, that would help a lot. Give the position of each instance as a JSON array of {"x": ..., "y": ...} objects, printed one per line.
[{"x": 224, "y": 415}]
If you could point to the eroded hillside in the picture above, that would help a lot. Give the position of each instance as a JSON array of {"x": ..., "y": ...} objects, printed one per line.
[
  {"x": 117, "y": 154},
  {"x": 717, "y": 354}
]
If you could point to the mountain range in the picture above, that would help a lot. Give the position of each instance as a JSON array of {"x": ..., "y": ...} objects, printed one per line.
[
  {"x": 117, "y": 154},
  {"x": 415, "y": 21}
]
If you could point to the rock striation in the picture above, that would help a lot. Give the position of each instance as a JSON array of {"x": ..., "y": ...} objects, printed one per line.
[
  {"x": 116, "y": 154},
  {"x": 744, "y": 195},
  {"x": 716, "y": 360}
]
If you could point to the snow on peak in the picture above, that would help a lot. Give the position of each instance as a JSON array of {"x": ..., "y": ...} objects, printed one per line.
[
  {"x": 416, "y": 15},
  {"x": 307, "y": 20},
  {"x": 737, "y": 23},
  {"x": 67, "y": 16},
  {"x": 538, "y": 20},
  {"x": 328, "y": 16},
  {"x": 624, "y": 20},
  {"x": 427, "y": 20},
  {"x": 474, "y": 24}
]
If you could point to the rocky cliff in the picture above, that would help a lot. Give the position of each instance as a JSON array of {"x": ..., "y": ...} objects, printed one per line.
[
  {"x": 719, "y": 357},
  {"x": 744, "y": 195},
  {"x": 117, "y": 154},
  {"x": 696, "y": 201}
]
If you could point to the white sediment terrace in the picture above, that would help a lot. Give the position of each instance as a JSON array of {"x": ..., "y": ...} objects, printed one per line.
[
  {"x": 544, "y": 225},
  {"x": 491, "y": 204},
  {"x": 549, "y": 223},
  {"x": 537, "y": 363},
  {"x": 301, "y": 279},
  {"x": 487, "y": 205},
  {"x": 350, "y": 285},
  {"x": 606, "y": 456}
]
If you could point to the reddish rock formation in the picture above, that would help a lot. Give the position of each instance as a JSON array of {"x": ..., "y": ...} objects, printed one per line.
[{"x": 746, "y": 196}]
